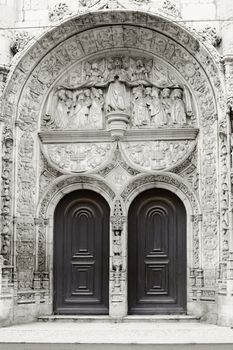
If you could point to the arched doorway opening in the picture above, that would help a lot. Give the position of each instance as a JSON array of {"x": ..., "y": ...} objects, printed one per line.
[
  {"x": 81, "y": 254},
  {"x": 157, "y": 254}
]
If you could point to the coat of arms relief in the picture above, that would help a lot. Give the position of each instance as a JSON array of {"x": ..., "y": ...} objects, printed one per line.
[{"x": 129, "y": 97}]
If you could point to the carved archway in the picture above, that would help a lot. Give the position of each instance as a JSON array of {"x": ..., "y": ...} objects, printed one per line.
[{"x": 44, "y": 64}]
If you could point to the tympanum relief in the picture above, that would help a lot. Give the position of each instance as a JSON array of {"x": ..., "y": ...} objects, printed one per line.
[
  {"x": 148, "y": 92},
  {"x": 127, "y": 91},
  {"x": 79, "y": 157},
  {"x": 156, "y": 155}
]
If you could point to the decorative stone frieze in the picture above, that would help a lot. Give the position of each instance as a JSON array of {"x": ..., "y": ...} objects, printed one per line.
[
  {"x": 26, "y": 176},
  {"x": 6, "y": 194},
  {"x": 25, "y": 253}
]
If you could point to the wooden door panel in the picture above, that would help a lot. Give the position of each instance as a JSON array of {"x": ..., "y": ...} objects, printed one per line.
[
  {"x": 157, "y": 254},
  {"x": 81, "y": 254}
]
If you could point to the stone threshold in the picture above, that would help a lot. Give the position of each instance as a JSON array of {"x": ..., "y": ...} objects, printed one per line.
[
  {"x": 112, "y": 336},
  {"x": 126, "y": 319}
]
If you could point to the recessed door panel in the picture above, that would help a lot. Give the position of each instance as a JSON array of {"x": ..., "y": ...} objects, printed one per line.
[
  {"x": 81, "y": 254},
  {"x": 157, "y": 254}
]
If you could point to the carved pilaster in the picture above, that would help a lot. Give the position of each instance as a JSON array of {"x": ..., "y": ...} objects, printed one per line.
[
  {"x": 6, "y": 194},
  {"x": 4, "y": 70},
  {"x": 36, "y": 280},
  {"x": 118, "y": 259}
]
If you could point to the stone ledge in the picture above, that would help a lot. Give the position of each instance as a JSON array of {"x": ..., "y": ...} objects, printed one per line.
[
  {"x": 127, "y": 319},
  {"x": 70, "y": 136}
]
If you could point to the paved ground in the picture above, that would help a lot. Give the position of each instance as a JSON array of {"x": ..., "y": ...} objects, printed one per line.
[{"x": 116, "y": 336}]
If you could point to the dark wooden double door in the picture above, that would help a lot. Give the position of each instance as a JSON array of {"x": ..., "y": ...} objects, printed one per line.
[{"x": 156, "y": 254}]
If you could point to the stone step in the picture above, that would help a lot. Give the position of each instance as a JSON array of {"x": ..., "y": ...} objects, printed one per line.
[
  {"x": 127, "y": 319},
  {"x": 54, "y": 346},
  {"x": 116, "y": 336}
]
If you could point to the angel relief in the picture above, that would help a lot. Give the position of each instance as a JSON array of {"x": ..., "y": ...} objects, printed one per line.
[{"x": 131, "y": 85}]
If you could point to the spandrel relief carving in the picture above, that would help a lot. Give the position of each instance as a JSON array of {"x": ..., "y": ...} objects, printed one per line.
[
  {"x": 157, "y": 155},
  {"x": 140, "y": 87},
  {"x": 78, "y": 157}
]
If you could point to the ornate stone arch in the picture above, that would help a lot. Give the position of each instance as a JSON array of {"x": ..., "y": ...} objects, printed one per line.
[
  {"x": 182, "y": 189},
  {"x": 45, "y": 61},
  {"x": 49, "y": 201}
]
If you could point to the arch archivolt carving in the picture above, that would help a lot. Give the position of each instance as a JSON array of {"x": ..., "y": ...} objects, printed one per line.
[{"x": 92, "y": 38}]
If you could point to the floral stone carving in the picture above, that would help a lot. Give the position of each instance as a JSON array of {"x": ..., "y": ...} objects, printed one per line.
[
  {"x": 134, "y": 86},
  {"x": 21, "y": 39},
  {"x": 157, "y": 155},
  {"x": 118, "y": 177},
  {"x": 170, "y": 7},
  {"x": 59, "y": 12},
  {"x": 78, "y": 157}
]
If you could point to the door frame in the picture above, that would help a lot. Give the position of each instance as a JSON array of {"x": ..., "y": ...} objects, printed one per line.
[
  {"x": 92, "y": 183},
  {"x": 87, "y": 201},
  {"x": 140, "y": 183},
  {"x": 173, "y": 208},
  {"x": 192, "y": 210}
]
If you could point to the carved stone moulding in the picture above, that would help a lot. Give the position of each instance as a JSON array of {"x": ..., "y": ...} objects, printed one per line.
[
  {"x": 117, "y": 124},
  {"x": 78, "y": 157}
]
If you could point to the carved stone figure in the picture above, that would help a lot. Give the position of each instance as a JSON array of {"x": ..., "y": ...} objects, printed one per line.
[
  {"x": 166, "y": 104},
  {"x": 140, "y": 108},
  {"x": 62, "y": 109},
  {"x": 157, "y": 115},
  {"x": 95, "y": 119},
  {"x": 58, "y": 108},
  {"x": 82, "y": 108},
  {"x": 178, "y": 114},
  {"x": 117, "y": 249},
  {"x": 116, "y": 97},
  {"x": 94, "y": 71}
]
